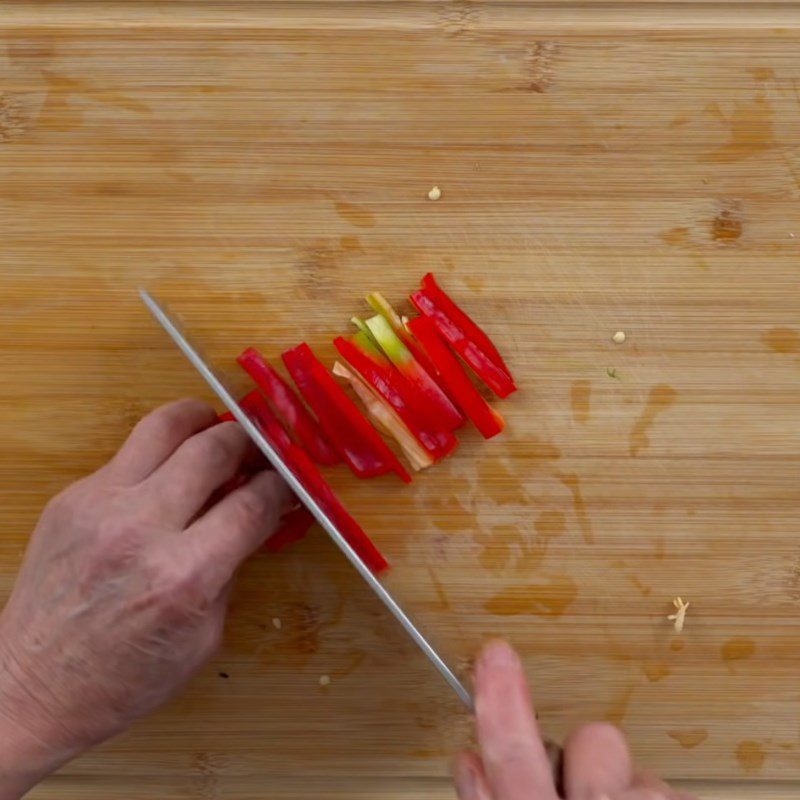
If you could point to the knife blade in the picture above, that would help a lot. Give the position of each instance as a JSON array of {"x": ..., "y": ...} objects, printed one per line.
[{"x": 175, "y": 331}]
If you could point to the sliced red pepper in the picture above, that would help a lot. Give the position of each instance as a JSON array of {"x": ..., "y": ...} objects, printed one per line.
[
  {"x": 494, "y": 376},
  {"x": 294, "y": 527},
  {"x": 460, "y": 317},
  {"x": 226, "y": 416},
  {"x": 305, "y": 428},
  {"x": 385, "y": 379},
  {"x": 438, "y": 404},
  {"x": 357, "y": 441},
  {"x": 483, "y": 416},
  {"x": 307, "y": 472}
]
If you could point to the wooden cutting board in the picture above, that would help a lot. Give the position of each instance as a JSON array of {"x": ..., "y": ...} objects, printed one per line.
[{"x": 603, "y": 167}]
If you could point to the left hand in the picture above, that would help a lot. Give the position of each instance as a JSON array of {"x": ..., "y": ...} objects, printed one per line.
[{"x": 123, "y": 590}]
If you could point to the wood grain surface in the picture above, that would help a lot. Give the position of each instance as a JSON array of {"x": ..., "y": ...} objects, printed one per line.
[{"x": 624, "y": 166}]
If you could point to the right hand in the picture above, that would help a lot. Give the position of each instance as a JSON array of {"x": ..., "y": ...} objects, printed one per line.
[{"x": 513, "y": 764}]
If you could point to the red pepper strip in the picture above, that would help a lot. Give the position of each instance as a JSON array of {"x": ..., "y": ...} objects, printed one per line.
[
  {"x": 308, "y": 473},
  {"x": 497, "y": 379},
  {"x": 483, "y": 416},
  {"x": 384, "y": 378},
  {"x": 352, "y": 435},
  {"x": 471, "y": 329},
  {"x": 294, "y": 527},
  {"x": 226, "y": 416},
  {"x": 304, "y": 427}
]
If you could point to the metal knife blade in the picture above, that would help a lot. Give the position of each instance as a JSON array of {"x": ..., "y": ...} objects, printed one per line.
[{"x": 173, "y": 328}]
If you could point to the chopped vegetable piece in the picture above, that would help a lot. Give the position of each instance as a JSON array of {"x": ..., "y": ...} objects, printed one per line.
[
  {"x": 382, "y": 306},
  {"x": 307, "y": 472},
  {"x": 493, "y": 375},
  {"x": 360, "y": 324},
  {"x": 386, "y": 418},
  {"x": 443, "y": 412},
  {"x": 387, "y": 381},
  {"x": 356, "y": 440},
  {"x": 452, "y": 374},
  {"x": 471, "y": 329},
  {"x": 226, "y": 416},
  {"x": 294, "y": 527},
  {"x": 305, "y": 428}
]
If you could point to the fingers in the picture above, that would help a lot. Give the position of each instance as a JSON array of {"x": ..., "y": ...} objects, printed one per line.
[
  {"x": 156, "y": 437},
  {"x": 470, "y": 779},
  {"x": 202, "y": 464},
  {"x": 514, "y": 757},
  {"x": 237, "y": 526},
  {"x": 597, "y": 762}
]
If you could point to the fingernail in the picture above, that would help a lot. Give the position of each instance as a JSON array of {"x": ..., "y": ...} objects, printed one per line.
[
  {"x": 498, "y": 655},
  {"x": 465, "y": 780}
]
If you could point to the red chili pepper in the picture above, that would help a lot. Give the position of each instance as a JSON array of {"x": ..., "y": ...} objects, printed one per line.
[
  {"x": 385, "y": 379},
  {"x": 294, "y": 527},
  {"x": 308, "y": 473},
  {"x": 471, "y": 329},
  {"x": 493, "y": 375},
  {"x": 300, "y": 423},
  {"x": 356, "y": 440},
  {"x": 452, "y": 374}
]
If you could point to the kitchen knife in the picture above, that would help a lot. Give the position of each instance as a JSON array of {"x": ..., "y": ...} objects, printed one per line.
[{"x": 173, "y": 328}]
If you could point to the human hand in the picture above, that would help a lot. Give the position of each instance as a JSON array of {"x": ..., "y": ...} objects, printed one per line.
[
  {"x": 513, "y": 764},
  {"x": 123, "y": 590}
]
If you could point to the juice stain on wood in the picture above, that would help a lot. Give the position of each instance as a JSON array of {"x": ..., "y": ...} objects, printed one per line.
[
  {"x": 501, "y": 485},
  {"x": 356, "y": 215},
  {"x": 642, "y": 587},
  {"x": 782, "y": 340},
  {"x": 656, "y": 671},
  {"x": 619, "y": 707},
  {"x": 726, "y": 227},
  {"x": 660, "y": 399},
  {"x": 751, "y": 131},
  {"x": 444, "y": 600},
  {"x": 690, "y": 738},
  {"x": 739, "y": 648},
  {"x": 550, "y": 524},
  {"x": 572, "y": 482},
  {"x": 677, "y": 237},
  {"x": 550, "y": 598},
  {"x": 676, "y": 645},
  {"x": 580, "y": 399},
  {"x": 751, "y": 756}
]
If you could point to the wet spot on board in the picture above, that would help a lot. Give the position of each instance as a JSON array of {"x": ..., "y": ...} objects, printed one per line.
[
  {"x": 449, "y": 514},
  {"x": 580, "y": 399},
  {"x": 751, "y": 756},
  {"x": 500, "y": 484},
  {"x": 679, "y": 121},
  {"x": 572, "y": 482},
  {"x": 351, "y": 244},
  {"x": 352, "y": 661},
  {"x": 643, "y": 588},
  {"x": 690, "y": 738},
  {"x": 676, "y": 645},
  {"x": 619, "y": 707},
  {"x": 497, "y": 545},
  {"x": 782, "y": 340},
  {"x": 444, "y": 600},
  {"x": 29, "y": 51},
  {"x": 316, "y": 272},
  {"x": 550, "y": 524},
  {"x": 676, "y": 236},
  {"x": 475, "y": 282},
  {"x": 762, "y": 73},
  {"x": 354, "y": 214},
  {"x": 739, "y": 648},
  {"x": 726, "y": 227},
  {"x": 550, "y": 597},
  {"x": 661, "y": 397},
  {"x": 656, "y": 671},
  {"x": 750, "y": 131}
]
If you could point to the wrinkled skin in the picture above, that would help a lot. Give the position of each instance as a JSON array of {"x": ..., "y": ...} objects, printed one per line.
[
  {"x": 513, "y": 763},
  {"x": 122, "y": 593}
]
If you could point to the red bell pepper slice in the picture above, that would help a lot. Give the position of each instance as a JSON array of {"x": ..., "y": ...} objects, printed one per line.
[
  {"x": 305, "y": 428},
  {"x": 308, "y": 473},
  {"x": 226, "y": 416},
  {"x": 494, "y": 376},
  {"x": 483, "y": 416},
  {"x": 440, "y": 408},
  {"x": 460, "y": 317},
  {"x": 294, "y": 527},
  {"x": 357, "y": 441},
  {"x": 387, "y": 381}
]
